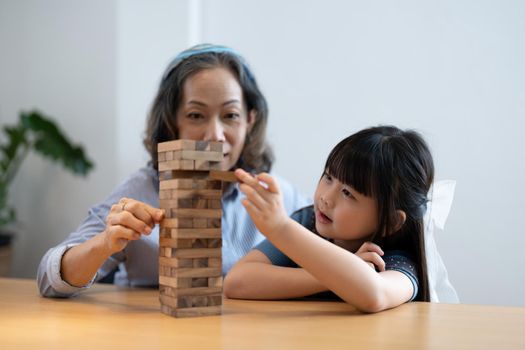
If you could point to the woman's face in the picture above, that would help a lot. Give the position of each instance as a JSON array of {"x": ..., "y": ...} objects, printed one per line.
[{"x": 212, "y": 108}]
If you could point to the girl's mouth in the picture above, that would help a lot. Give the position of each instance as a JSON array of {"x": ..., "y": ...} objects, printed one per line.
[{"x": 322, "y": 218}]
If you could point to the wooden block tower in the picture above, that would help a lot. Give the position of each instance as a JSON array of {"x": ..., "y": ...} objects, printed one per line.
[{"x": 190, "y": 257}]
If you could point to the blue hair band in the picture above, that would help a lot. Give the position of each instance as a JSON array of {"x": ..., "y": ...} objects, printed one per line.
[{"x": 202, "y": 49}]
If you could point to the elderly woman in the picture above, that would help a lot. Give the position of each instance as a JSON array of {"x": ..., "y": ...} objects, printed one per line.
[{"x": 207, "y": 93}]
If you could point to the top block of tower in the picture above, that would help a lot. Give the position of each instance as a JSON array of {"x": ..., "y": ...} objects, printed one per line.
[{"x": 189, "y": 155}]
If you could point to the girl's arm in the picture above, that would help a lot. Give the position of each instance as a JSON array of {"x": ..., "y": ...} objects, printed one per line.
[
  {"x": 334, "y": 267},
  {"x": 254, "y": 277}
]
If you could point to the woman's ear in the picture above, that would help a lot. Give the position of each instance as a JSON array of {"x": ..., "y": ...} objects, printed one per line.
[
  {"x": 401, "y": 218},
  {"x": 252, "y": 117}
]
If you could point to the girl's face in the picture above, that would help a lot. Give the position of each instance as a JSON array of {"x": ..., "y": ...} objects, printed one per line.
[
  {"x": 342, "y": 213},
  {"x": 212, "y": 108}
]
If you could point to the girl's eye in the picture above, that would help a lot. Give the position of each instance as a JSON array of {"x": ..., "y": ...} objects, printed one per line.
[
  {"x": 328, "y": 177},
  {"x": 347, "y": 193}
]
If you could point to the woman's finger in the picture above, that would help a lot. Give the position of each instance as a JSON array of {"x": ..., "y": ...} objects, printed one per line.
[
  {"x": 117, "y": 232},
  {"x": 150, "y": 215},
  {"x": 128, "y": 220}
]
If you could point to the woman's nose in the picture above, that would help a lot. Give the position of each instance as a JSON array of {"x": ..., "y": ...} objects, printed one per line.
[{"x": 215, "y": 131}]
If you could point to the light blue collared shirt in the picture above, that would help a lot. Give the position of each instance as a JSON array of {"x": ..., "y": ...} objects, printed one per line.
[{"x": 138, "y": 262}]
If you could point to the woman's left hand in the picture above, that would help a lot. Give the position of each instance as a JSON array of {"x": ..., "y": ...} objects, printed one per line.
[{"x": 263, "y": 201}]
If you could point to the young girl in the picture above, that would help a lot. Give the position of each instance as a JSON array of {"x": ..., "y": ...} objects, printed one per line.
[{"x": 363, "y": 237}]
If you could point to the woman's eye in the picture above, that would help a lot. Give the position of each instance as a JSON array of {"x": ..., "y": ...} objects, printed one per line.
[
  {"x": 231, "y": 116},
  {"x": 195, "y": 116}
]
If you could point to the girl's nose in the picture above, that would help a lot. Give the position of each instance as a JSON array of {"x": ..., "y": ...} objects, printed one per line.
[
  {"x": 215, "y": 131},
  {"x": 327, "y": 201}
]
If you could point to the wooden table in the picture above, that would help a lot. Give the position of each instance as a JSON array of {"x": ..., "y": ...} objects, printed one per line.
[{"x": 108, "y": 317}]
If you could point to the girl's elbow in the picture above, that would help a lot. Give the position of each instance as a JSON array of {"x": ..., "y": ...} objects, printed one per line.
[{"x": 369, "y": 303}]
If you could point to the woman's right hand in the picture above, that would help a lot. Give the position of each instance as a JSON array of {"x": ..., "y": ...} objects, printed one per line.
[
  {"x": 371, "y": 253},
  {"x": 127, "y": 221}
]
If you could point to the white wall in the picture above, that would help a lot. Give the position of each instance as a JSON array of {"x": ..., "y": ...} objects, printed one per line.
[
  {"x": 54, "y": 58},
  {"x": 450, "y": 69}
]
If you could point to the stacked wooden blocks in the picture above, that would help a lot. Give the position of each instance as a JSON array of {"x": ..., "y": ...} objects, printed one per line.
[{"x": 190, "y": 258}]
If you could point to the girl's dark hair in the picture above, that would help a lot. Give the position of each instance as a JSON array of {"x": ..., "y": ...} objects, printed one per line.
[
  {"x": 396, "y": 168},
  {"x": 162, "y": 126}
]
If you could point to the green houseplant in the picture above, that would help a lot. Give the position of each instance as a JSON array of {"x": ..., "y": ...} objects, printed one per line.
[{"x": 39, "y": 133}]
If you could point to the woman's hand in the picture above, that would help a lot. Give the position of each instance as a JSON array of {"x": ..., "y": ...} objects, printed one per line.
[
  {"x": 371, "y": 253},
  {"x": 263, "y": 201},
  {"x": 127, "y": 221}
]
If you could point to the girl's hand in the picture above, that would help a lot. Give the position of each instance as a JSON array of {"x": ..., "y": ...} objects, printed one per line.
[
  {"x": 263, "y": 201},
  {"x": 127, "y": 220},
  {"x": 371, "y": 253}
]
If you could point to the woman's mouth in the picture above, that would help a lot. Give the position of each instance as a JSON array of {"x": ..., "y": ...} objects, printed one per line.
[{"x": 322, "y": 218}]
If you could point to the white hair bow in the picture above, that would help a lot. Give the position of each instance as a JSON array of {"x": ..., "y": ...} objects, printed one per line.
[{"x": 441, "y": 196}]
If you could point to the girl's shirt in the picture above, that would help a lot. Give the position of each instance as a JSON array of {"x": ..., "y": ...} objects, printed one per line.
[
  {"x": 394, "y": 259},
  {"x": 138, "y": 262}
]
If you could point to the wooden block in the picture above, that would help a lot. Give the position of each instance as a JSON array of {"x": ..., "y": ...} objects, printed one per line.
[
  {"x": 215, "y": 282},
  {"x": 193, "y": 233},
  {"x": 176, "y": 282},
  {"x": 182, "y": 174},
  {"x": 177, "y": 164},
  {"x": 213, "y": 300},
  {"x": 199, "y": 272},
  {"x": 202, "y": 155},
  {"x": 208, "y": 146},
  {"x": 199, "y": 291},
  {"x": 168, "y": 281},
  {"x": 165, "y": 252},
  {"x": 199, "y": 282},
  {"x": 214, "y": 204},
  {"x": 216, "y": 146},
  {"x": 168, "y": 300},
  {"x": 195, "y": 311},
  {"x": 215, "y": 243},
  {"x": 200, "y": 243},
  {"x": 169, "y": 291},
  {"x": 200, "y": 203},
  {"x": 177, "y": 222},
  {"x": 207, "y": 194},
  {"x": 189, "y": 184},
  {"x": 214, "y": 262},
  {"x": 177, "y": 145},
  {"x": 223, "y": 175},
  {"x": 214, "y": 223},
  {"x": 161, "y": 157},
  {"x": 176, "y": 203},
  {"x": 202, "y": 165},
  {"x": 198, "y": 253},
  {"x": 171, "y": 262},
  {"x": 177, "y": 243},
  {"x": 199, "y": 213},
  {"x": 200, "y": 223},
  {"x": 200, "y": 262}
]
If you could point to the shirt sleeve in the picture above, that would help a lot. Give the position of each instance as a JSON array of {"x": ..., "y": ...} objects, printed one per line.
[
  {"x": 399, "y": 261},
  {"x": 49, "y": 279}
]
